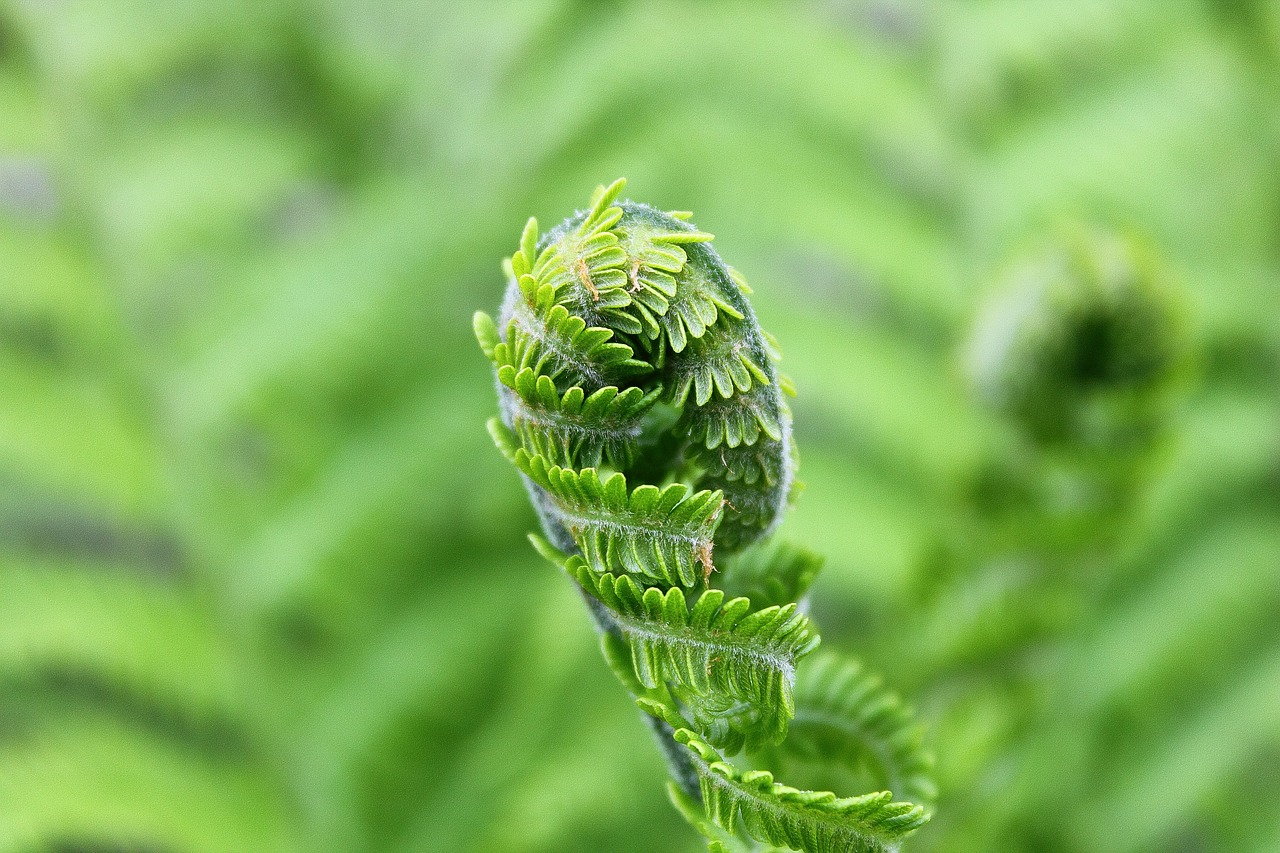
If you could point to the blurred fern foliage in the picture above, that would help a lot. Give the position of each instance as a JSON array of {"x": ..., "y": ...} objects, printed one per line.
[{"x": 263, "y": 581}]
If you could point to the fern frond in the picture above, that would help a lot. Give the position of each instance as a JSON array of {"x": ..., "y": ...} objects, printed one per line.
[
  {"x": 586, "y": 268},
  {"x": 665, "y": 535},
  {"x": 844, "y": 714},
  {"x": 625, "y": 295},
  {"x": 626, "y": 342},
  {"x": 558, "y": 344},
  {"x": 732, "y": 664},
  {"x": 694, "y": 305},
  {"x": 720, "y": 365},
  {"x": 813, "y": 821},
  {"x": 719, "y": 840},
  {"x": 574, "y": 427},
  {"x": 733, "y": 421},
  {"x": 756, "y": 480}
]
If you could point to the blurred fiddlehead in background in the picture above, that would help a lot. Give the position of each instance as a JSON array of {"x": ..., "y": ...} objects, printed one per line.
[
  {"x": 1082, "y": 346},
  {"x": 1081, "y": 350}
]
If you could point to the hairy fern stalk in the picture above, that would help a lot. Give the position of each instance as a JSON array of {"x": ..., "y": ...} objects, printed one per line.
[{"x": 640, "y": 402}]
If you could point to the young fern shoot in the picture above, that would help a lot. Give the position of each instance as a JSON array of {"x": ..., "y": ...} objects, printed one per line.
[{"x": 640, "y": 402}]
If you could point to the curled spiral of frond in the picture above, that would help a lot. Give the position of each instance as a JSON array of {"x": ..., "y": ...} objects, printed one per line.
[
  {"x": 640, "y": 402},
  {"x": 624, "y": 336}
]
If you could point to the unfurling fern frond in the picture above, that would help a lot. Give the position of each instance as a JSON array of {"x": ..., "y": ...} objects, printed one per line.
[
  {"x": 845, "y": 714},
  {"x": 639, "y": 401},
  {"x": 814, "y": 821},
  {"x": 717, "y": 653}
]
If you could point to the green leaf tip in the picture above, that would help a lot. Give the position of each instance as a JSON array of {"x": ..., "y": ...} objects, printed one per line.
[
  {"x": 486, "y": 332},
  {"x": 606, "y": 195}
]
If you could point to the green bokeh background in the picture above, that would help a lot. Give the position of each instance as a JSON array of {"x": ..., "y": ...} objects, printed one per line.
[{"x": 263, "y": 578}]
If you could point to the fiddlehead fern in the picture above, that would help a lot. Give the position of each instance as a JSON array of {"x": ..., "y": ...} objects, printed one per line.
[{"x": 640, "y": 401}]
